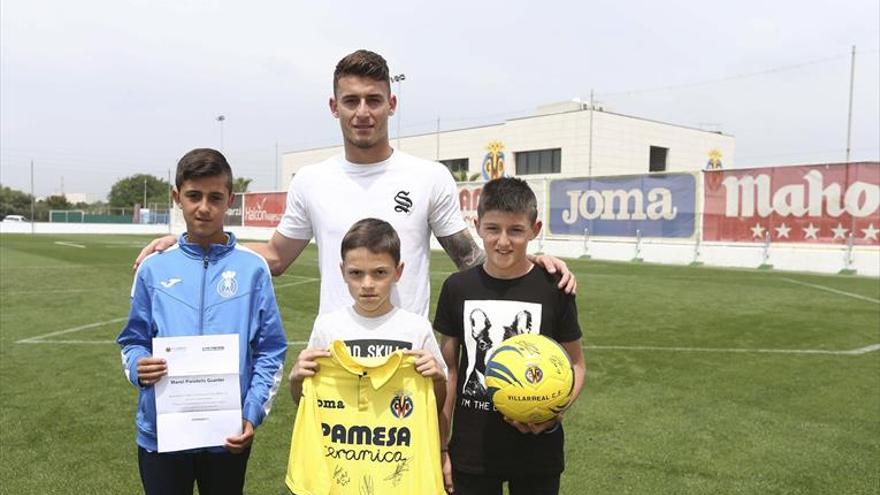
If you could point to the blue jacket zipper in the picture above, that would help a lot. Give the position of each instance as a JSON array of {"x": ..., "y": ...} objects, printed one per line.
[{"x": 202, "y": 300}]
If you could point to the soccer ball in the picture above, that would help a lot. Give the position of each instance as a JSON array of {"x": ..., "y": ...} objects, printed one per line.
[{"x": 529, "y": 378}]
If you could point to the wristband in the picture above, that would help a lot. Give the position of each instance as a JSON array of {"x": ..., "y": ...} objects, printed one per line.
[{"x": 555, "y": 427}]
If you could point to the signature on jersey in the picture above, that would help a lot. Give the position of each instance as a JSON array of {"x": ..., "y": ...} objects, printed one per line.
[
  {"x": 397, "y": 476},
  {"x": 340, "y": 476},
  {"x": 367, "y": 486}
]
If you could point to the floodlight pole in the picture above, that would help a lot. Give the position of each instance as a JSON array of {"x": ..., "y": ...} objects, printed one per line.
[
  {"x": 33, "y": 197},
  {"x": 144, "y": 205},
  {"x": 437, "y": 153},
  {"x": 590, "y": 151},
  {"x": 221, "y": 119},
  {"x": 852, "y": 75},
  {"x": 170, "y": 196},
  {"x": 399, "y": 78}
]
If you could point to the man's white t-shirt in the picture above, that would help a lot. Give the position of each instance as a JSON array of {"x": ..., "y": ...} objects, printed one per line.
[
  {"x": 375, "y": 337},
  {"x": 416, "y": 196}
]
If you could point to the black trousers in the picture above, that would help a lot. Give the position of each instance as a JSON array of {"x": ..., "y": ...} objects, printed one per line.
[
  {"x": 479, "y": 484},
  {"x": 174, "y": 474}
]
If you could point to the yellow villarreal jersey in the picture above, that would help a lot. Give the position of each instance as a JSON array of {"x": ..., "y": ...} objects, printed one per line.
[{"x": 365, "y": 427}]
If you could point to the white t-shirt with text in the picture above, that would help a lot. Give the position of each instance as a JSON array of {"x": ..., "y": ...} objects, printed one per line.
[
  {"x": 376, "y": 337},
  {"x": 417, "y": 197}
]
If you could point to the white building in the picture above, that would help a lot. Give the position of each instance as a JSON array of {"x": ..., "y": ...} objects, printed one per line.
[
  {"x": 562, "y": 144},
  {"x": 75, "y": 198},
  {"x": 560, "y": 140}
]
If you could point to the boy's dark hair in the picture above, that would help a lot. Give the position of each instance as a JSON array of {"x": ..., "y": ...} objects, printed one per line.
[
  {"x": 378, "y": 236},
  {"x": 510, "y": 195},
  {"x": 203, "y": 162},
  {"x": 362, "y": 63}
]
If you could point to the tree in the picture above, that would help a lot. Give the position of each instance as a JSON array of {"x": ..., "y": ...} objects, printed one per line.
[
  {"x": 14, "y": 202},
  {"x": 240, "y": 184},
  {"x": 129, "y": 191},
  {"x": 57, "y": 202}
]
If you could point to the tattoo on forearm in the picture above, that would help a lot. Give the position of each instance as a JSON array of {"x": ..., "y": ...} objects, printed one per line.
[{"x": 462, "y": 250}]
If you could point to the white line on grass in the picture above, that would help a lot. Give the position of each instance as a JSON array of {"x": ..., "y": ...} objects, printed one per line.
[
  {"x": 300, "y": 282},
  {"x": 296, "y": 343},
  {"x": 70, "y": 244},
  {"x": 39, "y": 338},
  {"x": 829, "y": 289},
  {"x": 62, "y": 266},
  {"x": 67, "y": 342},
  {"x": 866, "y": 349},
  {"x": 303, "y": 343},
  {"x": 106, "y": 289},
  {"x": 59, "y": 291},
  {"x": 851, "y": 352}
]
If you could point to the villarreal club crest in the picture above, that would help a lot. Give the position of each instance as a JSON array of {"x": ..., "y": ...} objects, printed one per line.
[{"x": 401, "y": 405}]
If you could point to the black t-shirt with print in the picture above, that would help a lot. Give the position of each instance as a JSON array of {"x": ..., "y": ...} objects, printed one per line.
[{"x": 481, "y": 311}]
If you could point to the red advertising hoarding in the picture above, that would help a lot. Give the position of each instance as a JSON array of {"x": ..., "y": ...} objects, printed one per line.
[
  {"x": 263, "y": 209},
  {"x": 804, "y": 204}
]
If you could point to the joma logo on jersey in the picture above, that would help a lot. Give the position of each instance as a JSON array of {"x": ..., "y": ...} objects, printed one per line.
[
  {"x": 331, "y": 404},
  {"x": 401, "y": 405},
  {"x": 365, "y": 435},
  {"x": 404, "y": 203}
]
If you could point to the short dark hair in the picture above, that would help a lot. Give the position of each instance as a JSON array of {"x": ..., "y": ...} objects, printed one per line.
[
  {"x": 510, "y": 195},
  {"x": 363, "y": 63},
  {"x": 203, "y": 162},
  {"x": 378, "y": 236}
]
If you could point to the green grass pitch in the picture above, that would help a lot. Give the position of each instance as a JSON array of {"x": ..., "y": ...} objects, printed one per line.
[{"x": 687, "y": 388}]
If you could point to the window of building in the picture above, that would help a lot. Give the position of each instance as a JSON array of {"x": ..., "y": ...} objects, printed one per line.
[
  {"x": 456, "y": 164},
  {"x": 539, "y": 162},
  {"x": 657, "y": 161}
]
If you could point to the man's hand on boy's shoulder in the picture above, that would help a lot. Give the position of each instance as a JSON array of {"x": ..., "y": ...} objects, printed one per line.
[
  {"x": 160, "y": 244},
  {"x": 567, "y": 281}
]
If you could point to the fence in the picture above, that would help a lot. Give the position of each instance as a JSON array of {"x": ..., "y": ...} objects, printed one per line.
[
  {"x": 111, "y": 215},
  {"x": 814, "y": 217},
  {"x": 822, "y": 218}
]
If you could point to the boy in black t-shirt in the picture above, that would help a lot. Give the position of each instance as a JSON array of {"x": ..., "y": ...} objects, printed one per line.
[{"x": 479, "y": 308}]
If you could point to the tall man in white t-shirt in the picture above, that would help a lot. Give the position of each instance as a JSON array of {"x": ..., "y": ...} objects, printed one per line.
[{"x": 371, "y": 179}]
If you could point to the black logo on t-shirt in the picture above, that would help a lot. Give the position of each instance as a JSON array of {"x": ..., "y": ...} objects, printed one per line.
[
  {"x": 404, "y": 204},
  {"x": 485, "y": 327},
  {"x": 375, "y": 347}
]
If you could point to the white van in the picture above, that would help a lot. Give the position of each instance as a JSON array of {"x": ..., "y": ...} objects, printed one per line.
[{"x": 14, "y": 218}]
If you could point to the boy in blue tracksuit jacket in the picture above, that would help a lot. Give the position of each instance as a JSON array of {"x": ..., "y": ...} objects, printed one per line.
[{"x": 205, "y": 285}]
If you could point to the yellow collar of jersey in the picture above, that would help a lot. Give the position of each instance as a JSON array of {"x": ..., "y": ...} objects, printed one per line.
[{"x": 379, "y": 370}]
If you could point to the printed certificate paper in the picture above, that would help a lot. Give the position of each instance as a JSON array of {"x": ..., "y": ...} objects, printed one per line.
[{"x": 198, "y": 403}]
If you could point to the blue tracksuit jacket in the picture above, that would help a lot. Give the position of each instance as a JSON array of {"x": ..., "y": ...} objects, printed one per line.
[{"x": 187, "y": 291}]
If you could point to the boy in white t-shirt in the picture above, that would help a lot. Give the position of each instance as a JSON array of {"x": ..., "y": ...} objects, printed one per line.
[{"x": 372, "y": 326}]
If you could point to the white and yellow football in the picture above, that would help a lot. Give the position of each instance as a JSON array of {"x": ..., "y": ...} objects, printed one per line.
[{"x": 529, "y": 378}]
